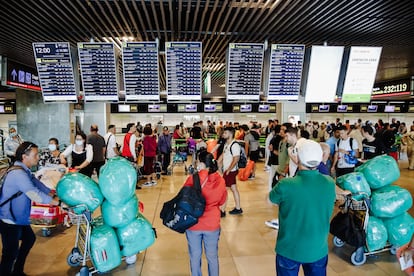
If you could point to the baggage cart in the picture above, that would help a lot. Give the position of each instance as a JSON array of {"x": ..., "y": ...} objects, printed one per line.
[{"x": 48, "y": 217}]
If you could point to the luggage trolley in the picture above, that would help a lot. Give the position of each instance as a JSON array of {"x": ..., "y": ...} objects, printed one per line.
[{"x": 359, "y": 212}]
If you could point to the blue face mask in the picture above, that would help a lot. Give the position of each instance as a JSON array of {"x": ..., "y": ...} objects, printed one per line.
[{"x": 52, "y": 147}]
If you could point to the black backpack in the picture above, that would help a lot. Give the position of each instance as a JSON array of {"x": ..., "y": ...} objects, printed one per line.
[
  {"x": 183, "y": 211},
  {"x": 243, "y": 157}
]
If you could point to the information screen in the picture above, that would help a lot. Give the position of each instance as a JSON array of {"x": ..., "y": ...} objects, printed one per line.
[
  {"x": 324, "y": 108},
  {"x": 286, "y": 64},
  {"x": 54, "y": 66},
  {"x": 342, "y": 108},
  {"x": 391, "y": 89},
  {"x": 324, "y": 67},
  {"x": 19, "y": 75},
  {"x": 245, "y": 108},
  {"x": 372, "y": 108},
  {"x": 209, "y": 108},
  {"x": 360, "y": 74},
  {"x": 389, "y": 108},
  {"x": 140, "y": 60},
  {"x": 184, "y": 68},
  {"x": 98, "y": 70},
  {"x": 244, "y": 72},
  {"x": 157, "y": 108}
]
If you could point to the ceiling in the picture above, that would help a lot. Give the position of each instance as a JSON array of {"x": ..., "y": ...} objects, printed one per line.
[{"x": 386, "y": 23}]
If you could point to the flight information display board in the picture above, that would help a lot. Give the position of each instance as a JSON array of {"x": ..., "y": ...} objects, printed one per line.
[
  {"x": 184, "y": 68},
  {"x": 140, "y": 60},
  {"x": 285, "y": 74},
  {"x": 244, "y": 72},
  {"x": 54, "y": 66},
  {"x": 360, "y": 74},
  {"x": 98, "y": 71}
]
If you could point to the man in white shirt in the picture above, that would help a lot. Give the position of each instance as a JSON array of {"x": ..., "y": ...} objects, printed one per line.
[
  {"x": 228, "y": 165},
  {"x": 343, "y": 147},
  {"x": 110, "y": 141}
]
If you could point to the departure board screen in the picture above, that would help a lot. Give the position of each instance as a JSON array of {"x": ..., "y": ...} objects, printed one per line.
[
  {"x": 54, "y": 66},
  {"x": 285, "y": 74},
  {"x": 98, "y": 71},
  {"x": 140, "y": 60},
  {"x": 184, "y": 68},
  {"x": 244, "y": 72}
]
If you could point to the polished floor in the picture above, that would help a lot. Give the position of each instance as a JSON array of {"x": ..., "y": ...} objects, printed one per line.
[{"x": 246, "y": 244}]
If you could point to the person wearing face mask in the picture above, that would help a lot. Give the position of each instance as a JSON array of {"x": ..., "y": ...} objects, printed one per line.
[
  {"x": 11, "y": 144},
  {"x": 81, "y": 153},
  {"x": 51, "y": 156}
]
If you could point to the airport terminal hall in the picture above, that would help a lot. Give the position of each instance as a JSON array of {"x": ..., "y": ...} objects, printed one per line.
[{"x": 203, "y": 137}]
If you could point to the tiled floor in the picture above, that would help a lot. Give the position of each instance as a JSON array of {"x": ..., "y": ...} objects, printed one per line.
[{"x": 246, "y": 245}]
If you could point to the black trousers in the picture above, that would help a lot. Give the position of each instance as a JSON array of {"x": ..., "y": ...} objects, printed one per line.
[
  {"x": 166, "y": 159},
  {"x": 94, "y": 165},
  {"x": 12, "y": 253}
]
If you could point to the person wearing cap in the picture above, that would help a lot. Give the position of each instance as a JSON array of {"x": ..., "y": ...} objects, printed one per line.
[
  {"x": 99, "y": 149},
  {"x": 164, "y": 148},
  {"x": 306, "y": 203}
]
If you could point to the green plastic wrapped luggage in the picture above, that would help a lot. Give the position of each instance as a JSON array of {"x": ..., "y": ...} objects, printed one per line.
[
  {"x": 376, "y": 234},
  {"x": 390, "y": 201},
  {"x": 355, "y": 183},
  {"x": 400, "y": 229},
  {"x": 380, "y": 171},
  {"x": 120, "y": 215},
  {"x": 77, "y": 189},
  {"x": 117, "y": 180},
  {"x": 105, "y": 250},
  {"x": 136, "y": 236}
]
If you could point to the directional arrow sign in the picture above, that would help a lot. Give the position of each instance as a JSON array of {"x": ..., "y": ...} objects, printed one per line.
[{"x": 14, "y": 74}]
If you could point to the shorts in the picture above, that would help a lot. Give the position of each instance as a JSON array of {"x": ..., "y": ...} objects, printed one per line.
[
  {"x": 254, "y": 155},
  {"x": 149, "y": 165},
  {"x": 230, "y": 179}
]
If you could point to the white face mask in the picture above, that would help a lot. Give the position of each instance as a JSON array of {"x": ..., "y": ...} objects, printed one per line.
[
  {"x": 14, "y": 134},
  {"x": 52, "y": 147},
  {"x": 79, "y": 142}
]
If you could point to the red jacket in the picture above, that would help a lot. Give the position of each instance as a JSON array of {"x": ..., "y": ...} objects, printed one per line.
[
  {"x": 215, "y": 193},
  {"x": 150, "y": 146}
]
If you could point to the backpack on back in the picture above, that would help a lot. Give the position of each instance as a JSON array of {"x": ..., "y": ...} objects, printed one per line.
[
  {"x": 3, "y": 174},
  {"x": 243, "y": 157}
]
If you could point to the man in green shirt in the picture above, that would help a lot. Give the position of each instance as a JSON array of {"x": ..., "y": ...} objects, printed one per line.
[{"x": 306, "y": 202}]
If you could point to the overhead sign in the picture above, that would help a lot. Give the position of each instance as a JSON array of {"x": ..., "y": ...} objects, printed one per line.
[
  {"x": 140, "y": 60},
  {"x": 184, "y": 69},
  {"x": 54, "y": 64},
  {"x": 19, "y": 75},
  {"x": 390, "y": 89},
  {"x": 244, "y": 72},
  {"x": 360, "y": 74},
  {"x": 285, "y": 74},
  {"x": 98, "y": 71},
  {"x": 324, "y": 67}
]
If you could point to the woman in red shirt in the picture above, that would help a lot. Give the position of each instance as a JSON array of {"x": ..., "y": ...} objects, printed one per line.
[
  {"x": 150, "y": 152},
  {"x": 207, "y": 230}
]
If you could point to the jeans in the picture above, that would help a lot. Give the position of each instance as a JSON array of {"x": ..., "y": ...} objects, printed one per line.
[
  {"x": 195, "y": 247},
  {"x": 10, "y": 236},
  {"x": 288, "y": 267}
]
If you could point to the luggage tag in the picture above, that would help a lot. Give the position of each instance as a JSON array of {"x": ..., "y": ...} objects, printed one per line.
[{"x": 405, "y": 264}]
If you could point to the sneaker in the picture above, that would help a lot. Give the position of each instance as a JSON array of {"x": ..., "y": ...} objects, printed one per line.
[
  {"x": 153, "y": 183},
  {"x": 274, "y": 223},
  {"x": 236, "y": 211},
  {"x": 147, "y": 184},
  {"x": 222, "y": 214}
]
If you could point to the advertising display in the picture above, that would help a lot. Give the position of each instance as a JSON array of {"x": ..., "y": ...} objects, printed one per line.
[
  {"x": 19, "y": 75},
  {"x": 324, "y": 68},
  {"x": 286, "y": 64},
  {"x": 244, "y": 72},
  {"x": 140, "y": 63},
  {"x": 98, "y": 71},
  {"x": 360, "y": 74},
  {"x": 184, "y": 70},
  {"x": 54, "y": 65}
]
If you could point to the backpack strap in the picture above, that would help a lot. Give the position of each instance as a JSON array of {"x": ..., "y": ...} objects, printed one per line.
[{"x": 19, "y": 193}]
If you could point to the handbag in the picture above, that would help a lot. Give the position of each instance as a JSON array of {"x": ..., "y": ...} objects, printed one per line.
[
  {"x": 183, "y": 211},
  {"x": 344, "y": 226}
]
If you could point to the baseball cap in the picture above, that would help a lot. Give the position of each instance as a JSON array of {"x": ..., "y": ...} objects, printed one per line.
[
  {"x": 165, "y": 128},
  {"x": 309, "y": 153}
]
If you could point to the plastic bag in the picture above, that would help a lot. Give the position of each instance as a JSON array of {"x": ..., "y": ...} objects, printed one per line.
[
  {"x": 105, "y": 250},
  {"x": 76, "y": 189},
  {"x": 117, "y": 180},
  {"x": 119, "y": 215},
  {"x": 355, "y": 183},
  {"x": 376, "y": 234},
  {"x": 400, "y": 229},
  {"x": 380, "y": 171},
  {"x": 390, "y": 201},
  {"x": 136, "y": 236}
]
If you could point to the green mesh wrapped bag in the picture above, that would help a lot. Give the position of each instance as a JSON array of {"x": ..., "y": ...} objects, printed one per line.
[
  {"x": 77, "y": 189},
  {"x": 390, "y": 201},
  {"x": 120, "y": 215},
  {"x": 400, "y": 229},
  {"x": 380, "y": 171},
  {"x": 376, "y": 234},
  {"x": 117, "y": 180},
  {"x": 355, "y": 183}
]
